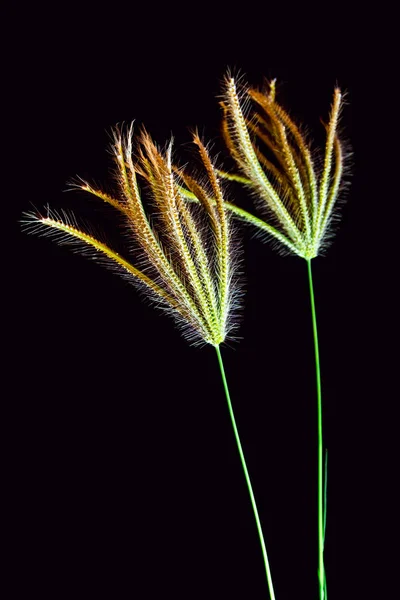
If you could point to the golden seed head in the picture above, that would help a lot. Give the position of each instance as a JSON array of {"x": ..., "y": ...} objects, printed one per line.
[
  {"x": 186, "y": 262},
  {"x": 278, "y": 166}
]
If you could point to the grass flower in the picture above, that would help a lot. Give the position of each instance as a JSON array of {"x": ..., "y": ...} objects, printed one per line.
[
  {"x": 276, "y": 163},
  {"x": 187, "y": 269},
  {"x": 185, "y": 265},
  {"x": 297, "y": 190}
]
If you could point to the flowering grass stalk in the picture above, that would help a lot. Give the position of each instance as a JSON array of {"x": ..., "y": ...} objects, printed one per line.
[
  {"x": 186, "y": 265},
  {"x": 277, "y": 165},
  {"x": 297, "y": 202}
]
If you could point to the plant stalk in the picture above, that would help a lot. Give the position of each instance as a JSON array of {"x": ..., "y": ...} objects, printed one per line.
[
  {"x": 246, "y": 474},
  {"x": 321, "y": 515}
]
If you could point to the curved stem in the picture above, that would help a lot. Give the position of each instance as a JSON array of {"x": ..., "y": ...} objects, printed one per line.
[
  {"x": 321, "y": 517},
  {"x": 246, "y": 474}
]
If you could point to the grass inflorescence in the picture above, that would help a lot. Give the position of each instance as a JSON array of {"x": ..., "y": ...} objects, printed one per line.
[{"x": 186, "y": 264}]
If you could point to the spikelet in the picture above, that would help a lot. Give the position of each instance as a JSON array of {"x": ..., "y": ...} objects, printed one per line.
[
  {"x": 297, "y": 198},
  {"x": 192, "y": 279}
]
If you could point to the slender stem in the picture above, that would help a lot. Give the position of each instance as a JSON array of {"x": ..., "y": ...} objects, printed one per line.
[
  {"x": 325, "y": 490},
  {"x": 325, "y": 498},
  {"x": 246, "y": 474},
  {"x": 321, "y": 518}
]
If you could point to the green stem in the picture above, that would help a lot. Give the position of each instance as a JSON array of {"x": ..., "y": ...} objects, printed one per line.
[
  {"x": 321, "y": 569},
  {"x": 325, "y": 497},
  {"x": 325, "y": 490},
  {"x": 246, "y": 474}
]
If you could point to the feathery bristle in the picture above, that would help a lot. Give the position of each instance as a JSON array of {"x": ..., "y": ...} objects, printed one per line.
[
  {"x": 191, "y": 280},
  {"x": 284, "y": 182}
]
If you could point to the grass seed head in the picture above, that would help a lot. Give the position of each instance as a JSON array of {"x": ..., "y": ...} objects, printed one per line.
[
  {"x": 277, "y": 165},
  {"x": 175, "y": 264}
]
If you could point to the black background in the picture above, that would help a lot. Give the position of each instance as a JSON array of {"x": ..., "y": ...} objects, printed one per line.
[{"x": 125, "y": 477}]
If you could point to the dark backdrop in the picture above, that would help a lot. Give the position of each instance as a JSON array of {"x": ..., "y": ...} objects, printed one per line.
[{"x": 125, "y": 477}]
